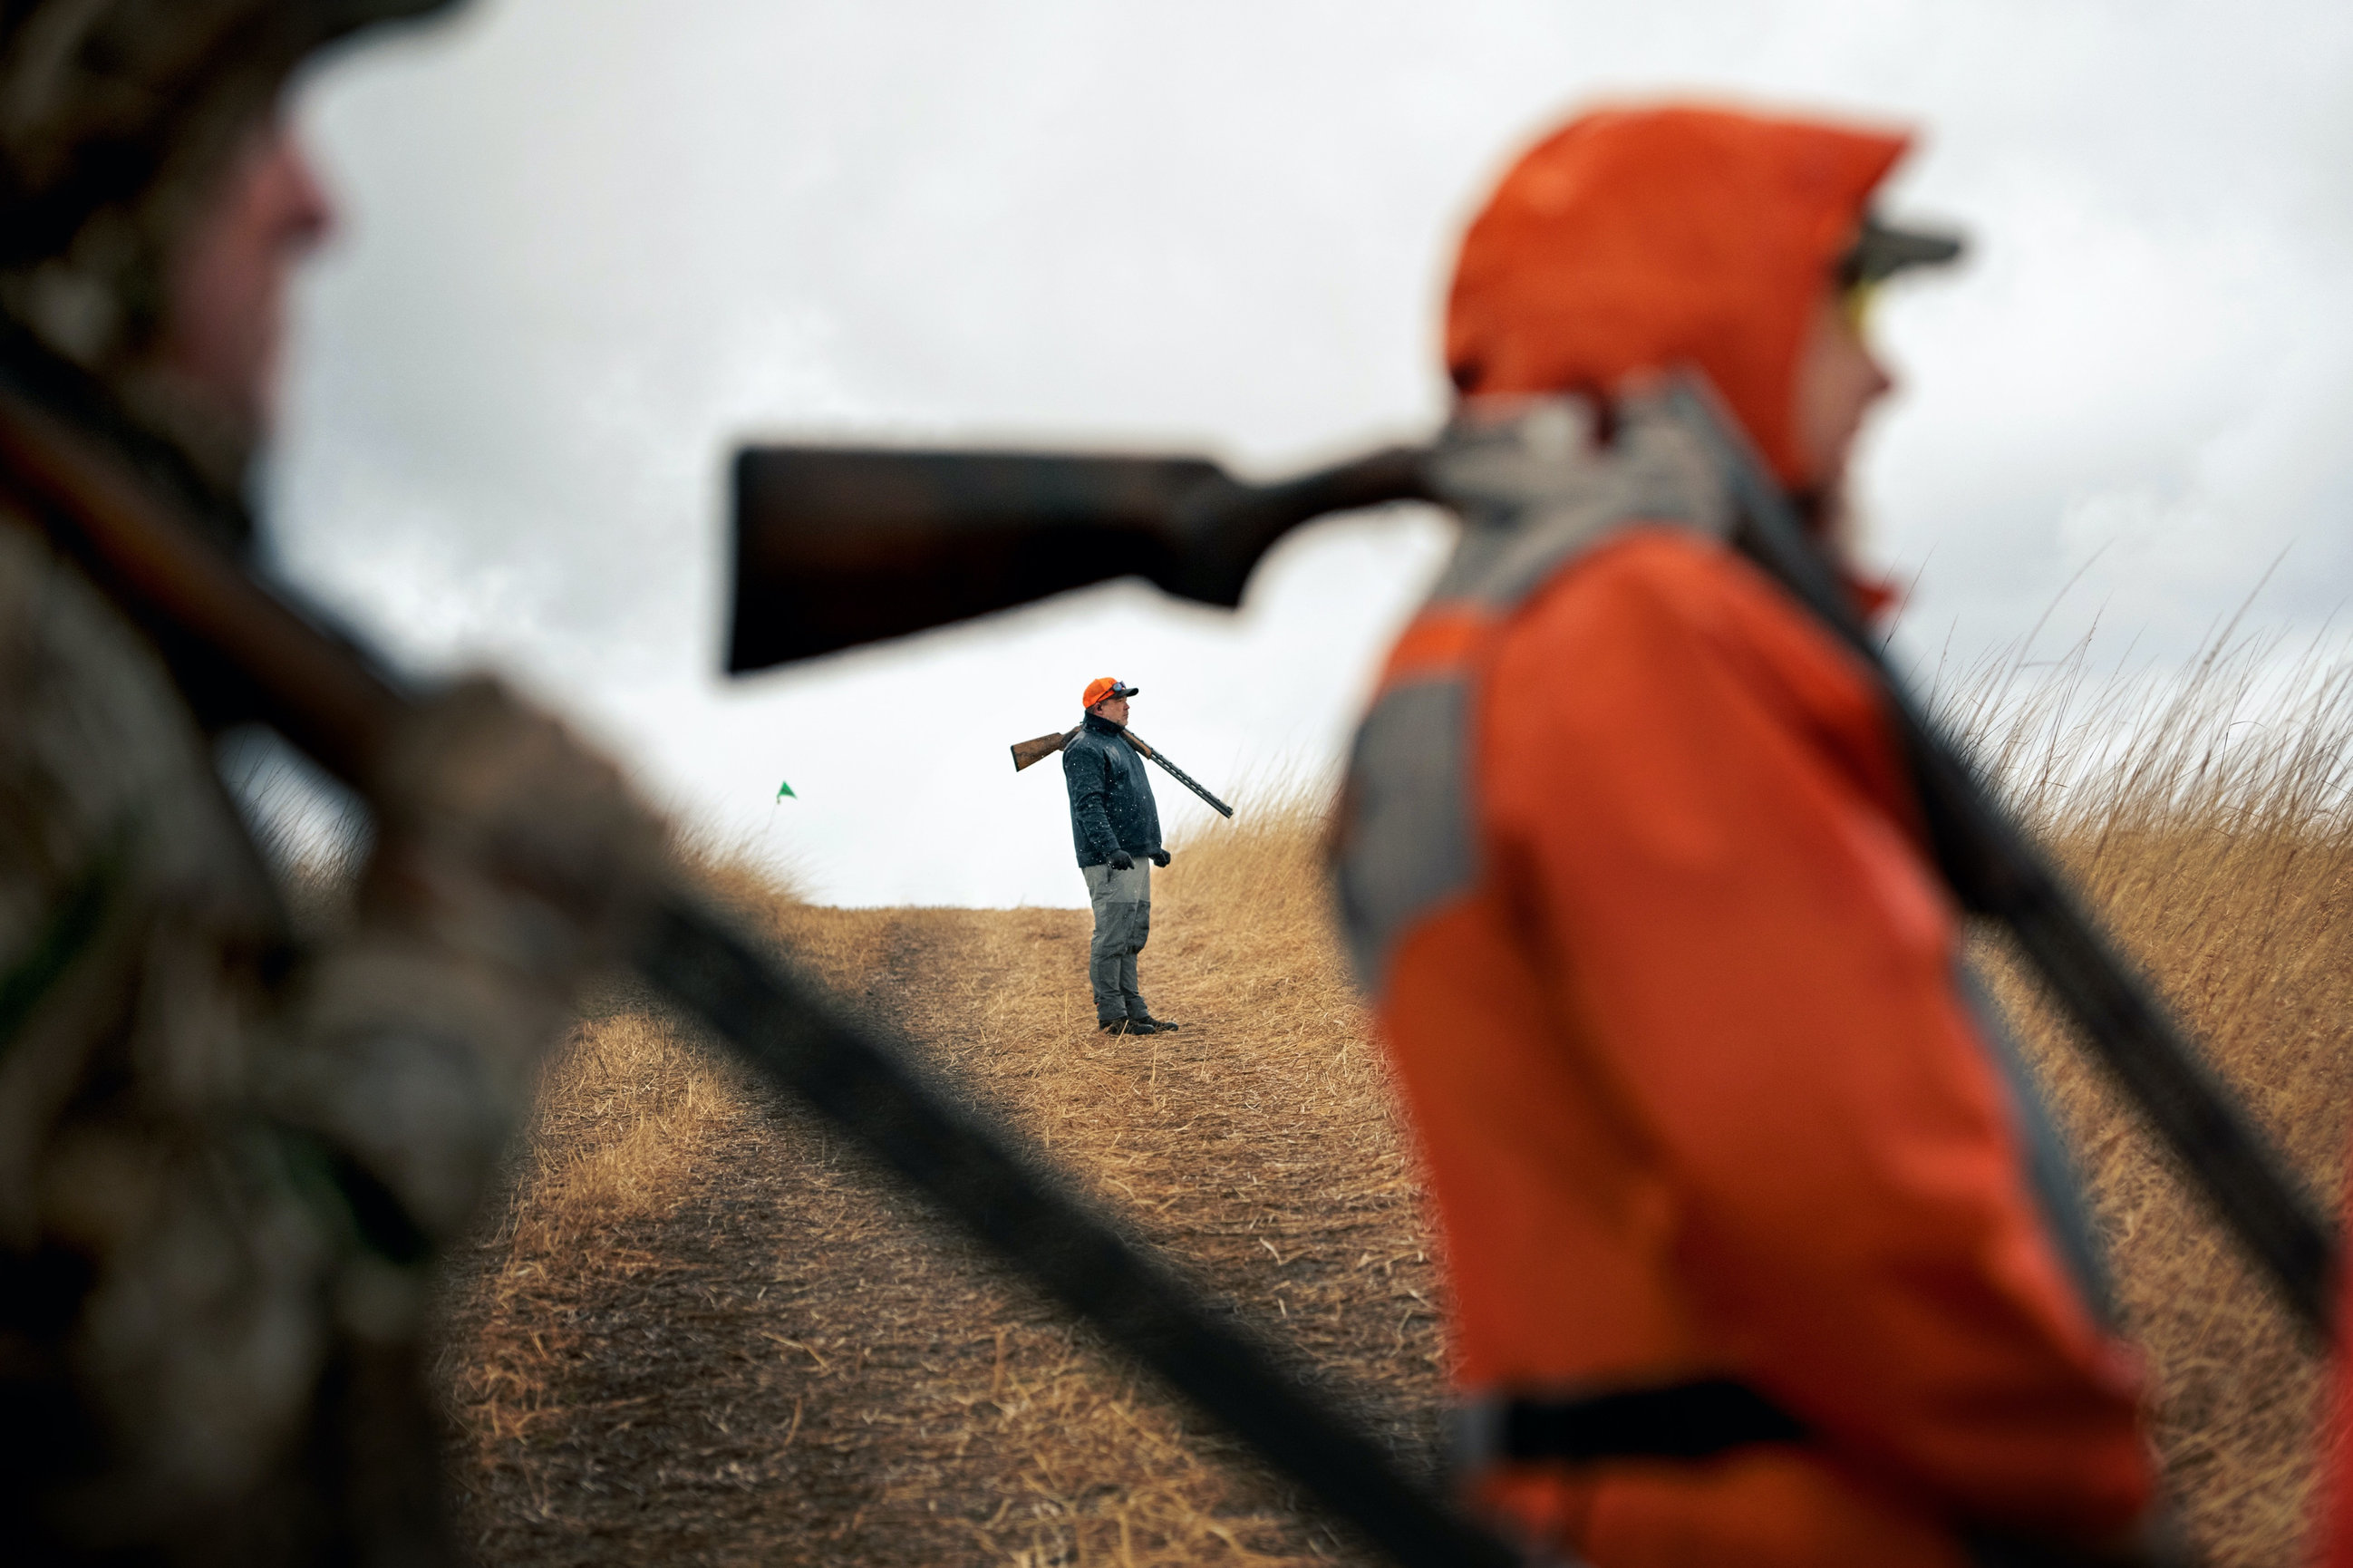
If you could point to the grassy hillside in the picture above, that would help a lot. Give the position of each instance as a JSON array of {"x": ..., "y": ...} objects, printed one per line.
[{"x": 699, "y": 1330}]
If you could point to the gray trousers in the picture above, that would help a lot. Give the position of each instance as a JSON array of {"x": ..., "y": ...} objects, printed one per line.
[{"x": 1123, "y": 903}]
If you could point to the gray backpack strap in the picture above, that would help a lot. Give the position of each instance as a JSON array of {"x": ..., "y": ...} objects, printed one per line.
[
  {"x": 1535, "y": 493},
  {"x": 1535, "y": 490}
]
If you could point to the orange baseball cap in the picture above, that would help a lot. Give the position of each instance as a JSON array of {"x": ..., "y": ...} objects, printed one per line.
[{"x": 1104, "y": 686}]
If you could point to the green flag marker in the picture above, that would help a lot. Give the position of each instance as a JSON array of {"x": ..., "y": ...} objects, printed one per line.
[{"x": 784, "y": 789}]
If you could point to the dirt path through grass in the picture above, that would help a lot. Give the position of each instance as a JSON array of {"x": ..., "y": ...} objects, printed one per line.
[
  {"x": 706, "y": 1333},
  {"x": 699, "y": 1333}
]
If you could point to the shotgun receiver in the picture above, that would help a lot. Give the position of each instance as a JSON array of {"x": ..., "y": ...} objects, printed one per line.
[
  {"x": 837, "y": 547},
  {"x": 1025, "y": 752}
]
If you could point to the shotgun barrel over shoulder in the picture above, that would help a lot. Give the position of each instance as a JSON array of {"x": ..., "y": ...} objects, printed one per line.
[
  {"x": 1180, "y": 776},
  {"x": 1026, "y": 753}
]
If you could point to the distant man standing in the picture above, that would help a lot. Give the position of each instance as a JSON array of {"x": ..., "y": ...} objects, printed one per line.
[{"x": 1116, "y": 828}]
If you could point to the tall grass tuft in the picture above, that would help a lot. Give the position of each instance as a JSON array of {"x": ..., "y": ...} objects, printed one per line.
[{"x": 2205, "y": 816}]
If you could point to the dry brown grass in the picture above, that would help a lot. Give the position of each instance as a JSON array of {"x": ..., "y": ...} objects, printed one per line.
[
  {"x": 2205, "y": 817},
  {"x": 700, "y": 1331}
]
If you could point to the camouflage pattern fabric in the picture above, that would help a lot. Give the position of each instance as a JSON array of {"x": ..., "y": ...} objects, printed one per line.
[
  {"x": 223, "y": 1168},
  {"x": 228, "y": 1163}
]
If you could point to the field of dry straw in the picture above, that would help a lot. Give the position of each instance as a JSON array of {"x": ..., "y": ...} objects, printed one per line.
[{"x": 700, "y": 1331}]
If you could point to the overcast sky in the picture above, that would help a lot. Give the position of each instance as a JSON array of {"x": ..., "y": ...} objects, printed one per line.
[{"x": 590, "y": 243}]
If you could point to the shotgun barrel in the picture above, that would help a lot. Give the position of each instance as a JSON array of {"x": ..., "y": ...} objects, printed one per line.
[{"x": 1180, "y": 776}]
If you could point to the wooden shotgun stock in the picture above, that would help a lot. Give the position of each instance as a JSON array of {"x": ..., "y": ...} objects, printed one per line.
[
  {"x": 835, "y": 546},
  {"x": 328, "y": 698},
  {"x": 1027, "y": 752}
]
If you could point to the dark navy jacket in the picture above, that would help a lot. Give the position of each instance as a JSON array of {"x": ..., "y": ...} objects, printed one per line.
[{"x": 1110, "y": 800}]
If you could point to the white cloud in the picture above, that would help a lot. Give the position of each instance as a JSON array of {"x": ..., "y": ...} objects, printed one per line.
[{"x": 594, "y": 241}]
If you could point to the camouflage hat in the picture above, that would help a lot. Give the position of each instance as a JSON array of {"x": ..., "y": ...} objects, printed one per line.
[{"x": 114, "y": 116}]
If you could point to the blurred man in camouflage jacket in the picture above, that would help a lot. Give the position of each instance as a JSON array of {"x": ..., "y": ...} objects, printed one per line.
[{"x": 226, "y": 1164}]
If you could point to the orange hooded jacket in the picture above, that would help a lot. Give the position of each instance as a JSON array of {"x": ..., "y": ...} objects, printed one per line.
[{"x": 1688, "y": 1057}]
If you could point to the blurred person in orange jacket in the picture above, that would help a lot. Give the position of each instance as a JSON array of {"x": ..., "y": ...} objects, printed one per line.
[{"x": 1761, "y": 1248}]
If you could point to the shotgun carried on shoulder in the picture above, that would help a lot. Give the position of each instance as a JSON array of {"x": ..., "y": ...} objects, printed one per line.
[
  {"x": 837, "y": 547},
  {"x": 1026, "y": 753},
  {"x": 226, "y": 632}
]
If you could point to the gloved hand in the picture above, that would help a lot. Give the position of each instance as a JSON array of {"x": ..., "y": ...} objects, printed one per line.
[
  {"x": 1121, "y": 860},
  {"x": 1160, "y": 857}
]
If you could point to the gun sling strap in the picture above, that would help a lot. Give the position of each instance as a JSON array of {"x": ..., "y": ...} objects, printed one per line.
[{"x": 1995, "y": 871}]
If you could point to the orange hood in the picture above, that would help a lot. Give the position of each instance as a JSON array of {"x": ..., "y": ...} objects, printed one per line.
[{"x": 1642, "y": 239}]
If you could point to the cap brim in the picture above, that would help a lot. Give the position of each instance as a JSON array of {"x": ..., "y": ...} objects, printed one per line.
[{"x": 1883, "y": 251}]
